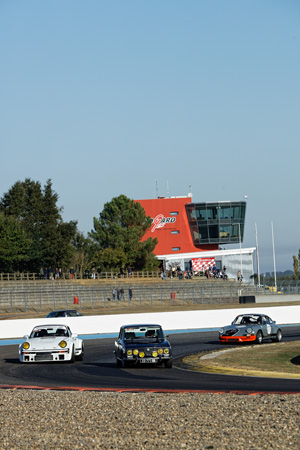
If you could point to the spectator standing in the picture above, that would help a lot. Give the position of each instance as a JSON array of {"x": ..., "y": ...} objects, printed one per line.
[
  {"x": 99, "y": 271},
  {"x": 93, "y": 273},
  {"x": 129, "y": 271},
  {"x": 130, "y": 294},
  {"x": 56, "y": 273},
  {"x": 72, "y": 273},
  {"x": 163, "y": 275},
  {"x": 122, "y": 296},
  {"x": 41, "y": 273},
  {"x": 60, "y": 273},
  {"x": 50, "y": 272},
  {"x": 114, "y": 294}
]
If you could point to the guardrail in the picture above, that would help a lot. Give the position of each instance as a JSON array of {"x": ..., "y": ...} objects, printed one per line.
[{"x": 26, "y": 276}]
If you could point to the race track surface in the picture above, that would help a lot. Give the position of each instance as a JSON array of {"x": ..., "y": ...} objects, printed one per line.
[{"x": 98, "y": 371}]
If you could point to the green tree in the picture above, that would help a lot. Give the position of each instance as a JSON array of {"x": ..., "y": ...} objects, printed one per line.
[
  {"x": 37, "y": 211},
  {"x": 86, "y": 251},
  {"x": 120, "y": 228},
  {"x": 296, "y": 266},
  {"x": 14, "y": 245}
]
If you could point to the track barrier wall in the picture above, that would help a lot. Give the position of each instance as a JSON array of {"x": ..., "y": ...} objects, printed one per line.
[{"x": 178, "y": 320}]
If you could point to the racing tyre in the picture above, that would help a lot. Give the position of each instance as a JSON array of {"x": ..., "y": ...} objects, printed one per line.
[
  {"x": 118, "y": 362},
  {"x": 168, "y": 364},
  {"x": 278, "y": 336},
  {"x": 259, "y": 337},
  {"x": 72, "y": 360},
  {"x": 80, "y": 357}
]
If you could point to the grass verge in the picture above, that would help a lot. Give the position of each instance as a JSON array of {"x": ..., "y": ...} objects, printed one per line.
[{"x": 281, "y": 360}]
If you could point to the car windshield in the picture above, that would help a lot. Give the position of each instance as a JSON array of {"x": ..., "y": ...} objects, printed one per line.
[
  {"x": 247, "y": 319},
  {"x": 142, "y": 333},
  {"x": 46, "y": 332},
  {"x": 73, "y": 313}
]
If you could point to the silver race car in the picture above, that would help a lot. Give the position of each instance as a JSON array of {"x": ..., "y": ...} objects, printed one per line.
[{"x": 251, "y": 328}]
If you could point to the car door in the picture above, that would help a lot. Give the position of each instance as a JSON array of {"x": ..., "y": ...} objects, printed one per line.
[
  {"x": 266, "y": 326},
  {"x": 273, "y": 326}
]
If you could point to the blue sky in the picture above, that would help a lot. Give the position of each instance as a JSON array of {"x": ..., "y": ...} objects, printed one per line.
[{"x": 108, "y": 97}]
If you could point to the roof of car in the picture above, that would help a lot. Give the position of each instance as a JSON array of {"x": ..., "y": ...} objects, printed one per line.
[
  {"x": 139, "y": 325},
  {"x": 252, "y": 314},
  {"x": 51, "y": 325}
]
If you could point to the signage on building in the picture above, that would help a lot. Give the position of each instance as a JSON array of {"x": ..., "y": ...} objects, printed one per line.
[{"x": 160, "y": 221}]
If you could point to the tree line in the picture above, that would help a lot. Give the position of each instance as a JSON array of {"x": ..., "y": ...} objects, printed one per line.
[{"x": 34, "y": 235}]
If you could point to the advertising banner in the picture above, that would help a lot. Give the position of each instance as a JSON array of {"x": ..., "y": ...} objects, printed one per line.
[{"x": 200, "y": 264}]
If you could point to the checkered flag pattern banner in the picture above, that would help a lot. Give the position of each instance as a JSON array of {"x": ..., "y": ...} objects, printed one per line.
[{"x": 199, "y": 263}]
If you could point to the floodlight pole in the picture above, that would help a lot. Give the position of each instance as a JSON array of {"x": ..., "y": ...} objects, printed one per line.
[
  {"x": 275, "y": 277},
  {"x": 241, "y": 249},
  {"x": 257, "y": 256}
]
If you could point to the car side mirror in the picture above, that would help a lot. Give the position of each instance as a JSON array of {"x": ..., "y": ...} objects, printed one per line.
[
  {"x": 26, "y": 336},
  {"x": 75, "y": 335}
]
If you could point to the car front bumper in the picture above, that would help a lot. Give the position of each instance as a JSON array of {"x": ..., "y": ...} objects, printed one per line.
[
  {"x": 147, "y": 359},
  {"x": 45, "y": 356},
  {"x": 235, "y": 338}
]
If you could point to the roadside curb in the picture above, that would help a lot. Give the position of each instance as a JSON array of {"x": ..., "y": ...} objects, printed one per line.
[{"x": 144, "y": 391}]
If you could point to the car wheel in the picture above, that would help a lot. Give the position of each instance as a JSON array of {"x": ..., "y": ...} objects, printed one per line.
[
  {"x": 259, "y": 337},
  {"x": 278, "y": 336},
  {"x": 80, "y": 357},
  {"x": 168, "y": 364},
  {"x": 118, "y": 362},
  {"x": 72, "y": 360}
]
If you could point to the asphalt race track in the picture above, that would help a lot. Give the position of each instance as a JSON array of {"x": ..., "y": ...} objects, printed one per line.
[{"x": 99, "y": 371}]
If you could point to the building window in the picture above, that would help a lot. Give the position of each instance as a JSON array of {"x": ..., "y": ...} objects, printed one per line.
[
  {"x": 174, "y": 213},
  {"x": 175, "y": 249},
  {"x": 175, "y": 232}
]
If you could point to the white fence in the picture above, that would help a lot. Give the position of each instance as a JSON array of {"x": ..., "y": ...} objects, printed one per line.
[{"x": 179, "y": 320}]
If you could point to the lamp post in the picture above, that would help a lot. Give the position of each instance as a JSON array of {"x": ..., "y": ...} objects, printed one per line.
[
  {"x": 275, "y": 277},
  {"x": 240, "y": 239},
  {"x": 257, "y": 256}
]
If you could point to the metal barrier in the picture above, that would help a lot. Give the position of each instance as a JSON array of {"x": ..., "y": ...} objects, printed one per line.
[
  {"x": 41, "y": 298},
  {"x": 24, "y": 276}
]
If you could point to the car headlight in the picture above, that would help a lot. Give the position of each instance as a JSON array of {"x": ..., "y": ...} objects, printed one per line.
[
  {"x": 160, "y": 351},
  {"x": 167, "y": 351},
  {"x": 62, "y": 344},
  {"x": 135, "y": 352},
  {"x": 129, "y": 352},
  {"x": 154, "y": 354},
  {"x": 249, "y": 330},
  {"x": 221, "y": 330},
  {"x": 141, "y": 354},
  {"x": 26, "y": 345}
]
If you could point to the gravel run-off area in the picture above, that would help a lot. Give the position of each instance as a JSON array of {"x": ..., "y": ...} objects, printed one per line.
[{"x": 35, "y": 419}]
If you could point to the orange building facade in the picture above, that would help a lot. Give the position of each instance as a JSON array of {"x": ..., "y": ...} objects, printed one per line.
[
  {"x": 171, "y": 227},
  {"x": 193, "y": 235}
]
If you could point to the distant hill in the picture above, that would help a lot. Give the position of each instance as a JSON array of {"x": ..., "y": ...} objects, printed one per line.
[{"x": 286, "y": 273}]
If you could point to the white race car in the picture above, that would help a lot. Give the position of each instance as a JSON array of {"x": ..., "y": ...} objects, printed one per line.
[{"x": 51, "y": 343}]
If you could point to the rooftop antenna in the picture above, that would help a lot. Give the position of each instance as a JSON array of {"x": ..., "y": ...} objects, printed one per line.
[
  {"x": 190, "y": 194},
  {"x": 156, "y": 188},
  {"x": 168, "y": 194}
]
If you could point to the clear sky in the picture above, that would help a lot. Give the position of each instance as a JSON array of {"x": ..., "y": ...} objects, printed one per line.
[{"x": 108, "y": 97}]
